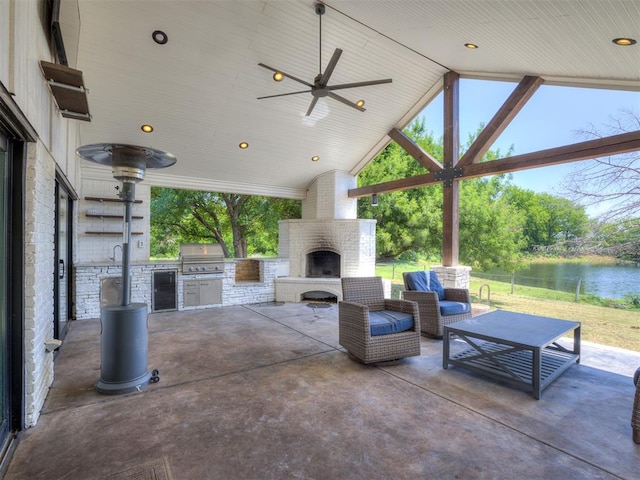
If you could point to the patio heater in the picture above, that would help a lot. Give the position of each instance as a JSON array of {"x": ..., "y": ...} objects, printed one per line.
[{"x": 124, "y": 334}]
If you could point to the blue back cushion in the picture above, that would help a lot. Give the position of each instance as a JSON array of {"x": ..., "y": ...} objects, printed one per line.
[
  {"x": 417, "y": 281},
  {"x": 384, "y": 322},
  {"x": 436, "y": 286}
]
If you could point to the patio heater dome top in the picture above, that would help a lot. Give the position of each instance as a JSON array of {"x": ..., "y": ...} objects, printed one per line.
[{"x": 129, "y": 162}]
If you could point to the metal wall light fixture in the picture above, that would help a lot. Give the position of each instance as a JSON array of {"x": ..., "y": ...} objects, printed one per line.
[{"x": 374, "y": 200}]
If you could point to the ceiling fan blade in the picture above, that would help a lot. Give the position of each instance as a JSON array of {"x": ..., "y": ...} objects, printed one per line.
[
  {"x": 286, "y": 75},
  {"x": 311, "y": 106},
  {"x": 332, "y": 64},
  {"x": 337, "y": 97},
  {"x": 284, "y": 94},
  {"x": 359, "y": 84}
]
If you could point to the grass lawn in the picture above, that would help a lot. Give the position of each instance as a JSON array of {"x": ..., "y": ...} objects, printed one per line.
[{"x": 617, "y": 327}]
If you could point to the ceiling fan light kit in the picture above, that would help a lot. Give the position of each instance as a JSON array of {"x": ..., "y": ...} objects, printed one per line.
[{"x": 320, "y": 87}]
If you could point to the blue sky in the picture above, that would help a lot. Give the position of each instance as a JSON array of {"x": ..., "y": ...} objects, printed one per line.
[{"x": 551, "y": 118}]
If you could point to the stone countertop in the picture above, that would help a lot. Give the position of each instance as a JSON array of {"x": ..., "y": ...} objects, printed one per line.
[
  {"x": 168, "y": 261},
  {"x": 109, "y": 263}
]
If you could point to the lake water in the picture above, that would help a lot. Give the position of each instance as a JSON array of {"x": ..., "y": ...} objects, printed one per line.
[{"x": 607, "y": 281}]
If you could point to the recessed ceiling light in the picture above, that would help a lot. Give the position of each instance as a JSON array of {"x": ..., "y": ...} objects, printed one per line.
[
  {"x": 243, "y": 145},
  {"x": 624, "y": 41},
  {"x": 315, "y": 158},
  {"x": 472, "y": 46},
  {"x": 146, "y": 128},
  {"x": 159, "y": 37},
  {"x": 278, "y": 76},
  {"x": 360, "y": 103}
]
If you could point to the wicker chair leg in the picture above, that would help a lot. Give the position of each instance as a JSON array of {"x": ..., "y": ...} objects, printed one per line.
[{"x": 636, "y": 435}]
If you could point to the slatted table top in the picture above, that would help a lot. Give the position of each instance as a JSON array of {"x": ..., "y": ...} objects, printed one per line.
[{"x": 515, "y": 328}]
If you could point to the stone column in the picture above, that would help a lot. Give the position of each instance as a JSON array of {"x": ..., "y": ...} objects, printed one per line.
[{"x": 453, "y": 277}]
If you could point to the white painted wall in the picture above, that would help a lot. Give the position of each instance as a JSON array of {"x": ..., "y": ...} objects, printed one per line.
[
  {"x": 99, "y": 182},
  {"x": 327, "y": 197}
]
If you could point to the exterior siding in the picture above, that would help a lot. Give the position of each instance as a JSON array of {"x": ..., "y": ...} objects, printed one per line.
[
  {"x": 24, "y": 41},
  {"x": 39, "y": 278}
]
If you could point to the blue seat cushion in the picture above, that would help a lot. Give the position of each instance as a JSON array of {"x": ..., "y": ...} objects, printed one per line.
[
  {"x": 447, "y": 307},
  {"x": 417, "y": 281},
  {"x": 435, "y": 285},
  {"x": 384, "y": 322}
]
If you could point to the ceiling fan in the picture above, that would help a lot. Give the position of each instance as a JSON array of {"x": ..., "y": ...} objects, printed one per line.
[{"x": 320, "y": 86}]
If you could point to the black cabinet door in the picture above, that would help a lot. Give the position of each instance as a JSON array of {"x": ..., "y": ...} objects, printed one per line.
[{"x": 164, "y": 290}]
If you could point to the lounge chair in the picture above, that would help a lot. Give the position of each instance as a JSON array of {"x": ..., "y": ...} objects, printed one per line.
[
  {"x": 375, "y": 329},
  {"x": 438, "y": 306}
]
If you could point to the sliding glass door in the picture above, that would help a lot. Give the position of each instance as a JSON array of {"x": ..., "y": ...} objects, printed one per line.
[
  {"x": 62, "y": 280},
  {"x": 5, "y": 358}
]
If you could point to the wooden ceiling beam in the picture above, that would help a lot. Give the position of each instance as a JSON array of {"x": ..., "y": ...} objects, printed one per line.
[
  {"x": 600, "y": 147},
  {"x": 394, "y": 185},
  {"x": 415, "y": 150},
  {"x": 501, "y": 120}
]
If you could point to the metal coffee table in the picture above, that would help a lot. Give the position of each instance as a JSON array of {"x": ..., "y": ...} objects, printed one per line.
[{"x": 513, "y": 347}]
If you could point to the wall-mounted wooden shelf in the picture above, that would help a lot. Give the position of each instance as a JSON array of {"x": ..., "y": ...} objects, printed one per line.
[
  {"x": 67, "y": 87},
  {"x": 111, "y": 233},
  {"x": 99, "y": 215},
  {"x": 108, "y": 199}
]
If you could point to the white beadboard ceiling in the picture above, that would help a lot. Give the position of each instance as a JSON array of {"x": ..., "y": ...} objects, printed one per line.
[{"x": 199, "y": 90}]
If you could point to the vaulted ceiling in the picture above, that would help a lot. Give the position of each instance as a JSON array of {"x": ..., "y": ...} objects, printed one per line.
[{"x": 199, "y": 90}]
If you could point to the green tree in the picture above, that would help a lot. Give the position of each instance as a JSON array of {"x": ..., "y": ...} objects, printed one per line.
[
  {"x": 548, "y": 219},
  {"x": 241, "y": 224},
  {"x": 491, "y": 231},
  {"x": 410, "y": 221}
]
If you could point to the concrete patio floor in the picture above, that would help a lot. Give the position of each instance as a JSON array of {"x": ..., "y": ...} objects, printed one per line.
[{"x": 265, "y": 392}]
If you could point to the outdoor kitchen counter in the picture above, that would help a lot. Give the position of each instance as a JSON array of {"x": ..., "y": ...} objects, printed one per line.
[{"x": 234, "y": 291}]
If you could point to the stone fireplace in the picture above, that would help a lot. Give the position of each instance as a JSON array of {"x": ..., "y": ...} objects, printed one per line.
[{"x": 329, "y": 242}]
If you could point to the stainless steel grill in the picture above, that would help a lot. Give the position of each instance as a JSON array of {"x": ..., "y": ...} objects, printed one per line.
[{"x": 201, "y": 258}]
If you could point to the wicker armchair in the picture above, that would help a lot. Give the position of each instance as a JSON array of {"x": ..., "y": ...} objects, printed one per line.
[
  {"x": 363, "y": 296},
  {"x": 432, "y": 317},
  {"x": 635, "y": 415}
]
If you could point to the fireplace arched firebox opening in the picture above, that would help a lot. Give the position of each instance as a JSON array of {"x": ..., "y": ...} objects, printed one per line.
[{"x": 323, "y": 264}]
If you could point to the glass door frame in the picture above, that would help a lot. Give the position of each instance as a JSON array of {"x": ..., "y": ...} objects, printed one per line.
[
  {"x": 14, "y": 183},
  {"x": 63, "y": 260}
]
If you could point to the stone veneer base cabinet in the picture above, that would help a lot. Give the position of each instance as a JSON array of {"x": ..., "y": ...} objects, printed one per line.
[{"x": 89, "y": 278}]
